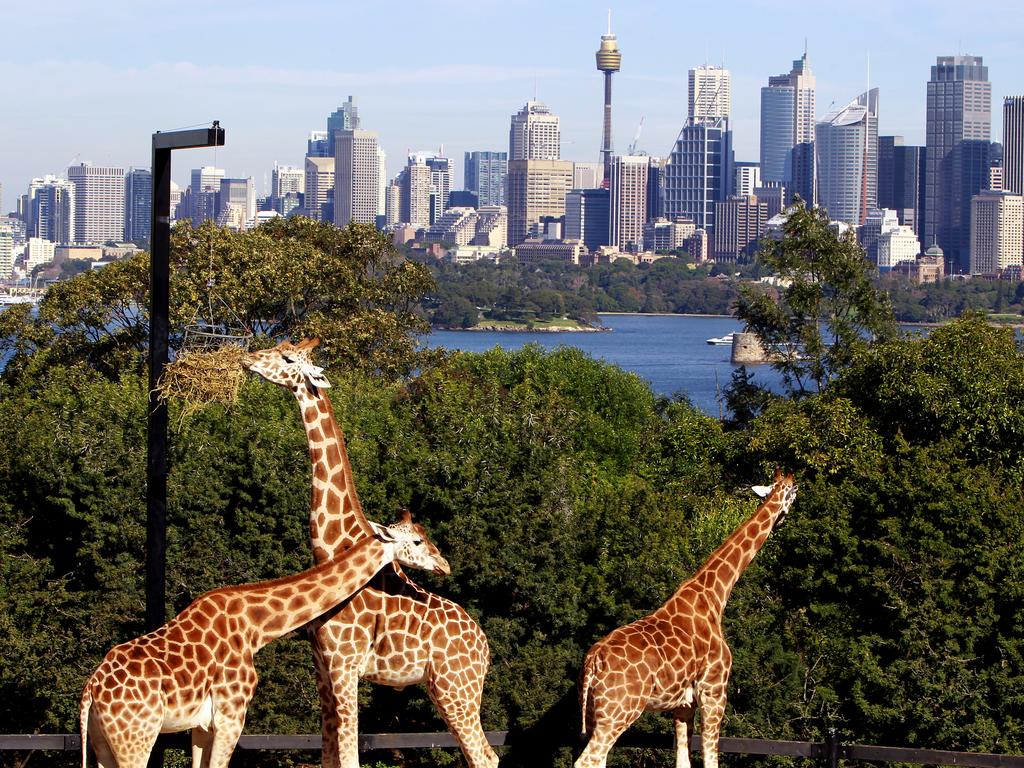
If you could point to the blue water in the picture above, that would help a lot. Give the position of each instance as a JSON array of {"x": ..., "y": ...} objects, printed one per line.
[{"x": 669, "y": 351}]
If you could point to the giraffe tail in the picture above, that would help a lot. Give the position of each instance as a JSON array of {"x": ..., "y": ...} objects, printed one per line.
[
  {"x": 586, "y": 683},
  {"x": 83, "y": 721}
]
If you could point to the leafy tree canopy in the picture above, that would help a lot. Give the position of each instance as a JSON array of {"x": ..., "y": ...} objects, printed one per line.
[{"x": 827, "y": 306}]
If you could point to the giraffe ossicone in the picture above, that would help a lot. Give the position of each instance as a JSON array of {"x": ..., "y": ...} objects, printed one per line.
[
  {"x": 392, "y": 632},
  {"x": 196, "y": 671},
  {"x": 675, "y": 658}
]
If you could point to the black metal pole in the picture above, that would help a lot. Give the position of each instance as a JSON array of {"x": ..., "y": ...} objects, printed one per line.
[
  {"x": 159, "y": 321},
  {"x": 156, "y": 456}
]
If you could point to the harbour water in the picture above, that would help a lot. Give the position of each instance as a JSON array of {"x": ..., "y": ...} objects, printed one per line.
[{"x": 669, "y": 351}]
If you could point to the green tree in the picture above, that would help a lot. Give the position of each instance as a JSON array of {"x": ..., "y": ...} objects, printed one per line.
[
  {"x": 288, "y": 277},
  {"x": 827, "y": 307}
]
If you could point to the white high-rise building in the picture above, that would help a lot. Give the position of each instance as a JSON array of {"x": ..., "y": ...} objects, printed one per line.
[
  {"x": 50, "y": 209},
  {"x": 748, "y": 178},
  {"x": 99, "y": 202},
  {"x": 38, "y": 252},
  {"x": 535, "y": 134},
  {"x": 628, "y": 212},
  {"x": 356, "y": 177},
  {"x": 586, "y": 175},
  {"x": 787, "y": 130},
  {"x": 236, "y": 203},
  {"x": 382, "y": 181},
  {"x": 6, "y": 252},
  {"x": 286, "y": 184},
  {"x": 202, "y": 193},
  {"x": 415, "y": 192},
  {"x": 896, "y": 246},
  {"x": 710, "y": 92},
  {"x": 319, "y": 185},
  {"x": 846, "y": 148},
  {"x": 997, "y": 232}
]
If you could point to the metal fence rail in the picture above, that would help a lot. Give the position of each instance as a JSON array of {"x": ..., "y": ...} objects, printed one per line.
[{"x": 830, "y": 751}]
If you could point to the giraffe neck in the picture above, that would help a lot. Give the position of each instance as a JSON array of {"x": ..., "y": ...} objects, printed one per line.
[
  {"x": 336, "y": 520},
  {"x": 276, "y": 607},
  {"x": 723, "y": 568}
]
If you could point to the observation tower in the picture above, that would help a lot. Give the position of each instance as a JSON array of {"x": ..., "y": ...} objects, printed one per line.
[{"x": 608, "y": 61}]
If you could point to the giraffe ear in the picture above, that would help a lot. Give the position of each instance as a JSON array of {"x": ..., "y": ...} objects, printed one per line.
[{"x": 761, "y": 490}]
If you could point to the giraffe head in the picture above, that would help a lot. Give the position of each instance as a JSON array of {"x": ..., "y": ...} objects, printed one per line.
[
  {"x": 288, "y": 365},
  {"x": 781, "y": 492},
  {"x": 412, "y": 546}
]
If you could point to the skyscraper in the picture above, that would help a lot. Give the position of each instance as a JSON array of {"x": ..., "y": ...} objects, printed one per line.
[
  {"x": 6, "y": 252},
  {"x": 236, "y": 203},
  {"x": 50, "y": 210},
  {"x": 1013, "y": 144},
  {"x": 709, "y": 92},
  {"x": 484, "y": 175},
  {"x": 586, "y": 216},
  {"x": 787, "y": 130},
  {"x": 319, "y": 182},
  {"x": 535, "y": 188},
  {"x": 287, "y": 183},
  {"x": 535, "y": 134},
  {"x": 997, "y": 232},
  {"x": 628, "y": 211},
  {"x": 415, "y": 192},
  {"x": 344, "y": 118},
  {"x": 959, "y": 108},
  {"x": 138, "y": 211},
  {"x": 609, "y": 59},
  {"x": 356, "y": 177},
  {"x": 740, "y": 223},
  {"x": 699, "y": 171},
  {"x": 846, "y": 149},
  {"x": 99, "y": 202},
  {"x": 203, "y": 193},
  {"x": 901, "y": 179},
  {"x": 440, "y": 183}
]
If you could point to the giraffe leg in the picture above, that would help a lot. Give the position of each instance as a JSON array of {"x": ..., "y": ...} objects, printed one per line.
[
  {"x": 226, "y": 730},
  {"x": 684, "y": 727},
  {"x": 461, "y": 712},
  {"x": 100, "y": 747},
  {"x": 328, "y": 706},
  {"x": 343, "y": 738},
  {"x": 202, "y": 741},
  {"x": 712, "y": 712},
  {"x": 610, "y": 720}
]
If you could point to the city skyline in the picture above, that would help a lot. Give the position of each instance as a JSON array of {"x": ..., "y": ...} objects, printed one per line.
[{"x": 92, "y": 84}]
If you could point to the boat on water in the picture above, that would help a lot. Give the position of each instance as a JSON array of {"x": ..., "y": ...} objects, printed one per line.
[
  {"x": 10, "y": 299},
  {"x": 721, "y": 340}
]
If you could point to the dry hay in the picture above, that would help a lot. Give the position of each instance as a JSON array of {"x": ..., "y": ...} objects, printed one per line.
[{"x": 199, "y": 377}]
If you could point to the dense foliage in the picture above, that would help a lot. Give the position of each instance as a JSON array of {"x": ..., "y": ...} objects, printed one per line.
[
  {"x": 569, "y": 499},
  {"x": 481, "y": 292},
  {"x": 486, "y": 291},
  {"x": 826, "y": 307}
]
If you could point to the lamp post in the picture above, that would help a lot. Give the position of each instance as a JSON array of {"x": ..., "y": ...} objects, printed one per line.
[{"x": 159, "y": 310}]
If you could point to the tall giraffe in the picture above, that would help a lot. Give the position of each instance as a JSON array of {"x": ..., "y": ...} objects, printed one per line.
[
  {"x": 676, "y": 657},
  {"x": 196, "y": 671},
  {"x": 392, "y": 632}
]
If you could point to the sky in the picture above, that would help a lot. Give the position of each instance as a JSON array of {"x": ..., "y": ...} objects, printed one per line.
[{"x": 90, "y": 81}]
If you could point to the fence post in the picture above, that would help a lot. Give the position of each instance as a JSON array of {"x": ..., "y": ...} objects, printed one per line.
[{"x": 832, "y": 743}]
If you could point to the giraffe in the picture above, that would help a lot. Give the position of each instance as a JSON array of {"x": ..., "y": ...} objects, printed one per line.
[
  {"x": 196, "y": 671},
  {"x": 676, "y": 658},
  {"x": 392, "y": 632}
]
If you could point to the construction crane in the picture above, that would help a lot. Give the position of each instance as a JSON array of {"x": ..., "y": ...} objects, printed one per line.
[{"x": 636, "y": 137}]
